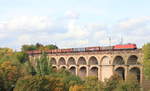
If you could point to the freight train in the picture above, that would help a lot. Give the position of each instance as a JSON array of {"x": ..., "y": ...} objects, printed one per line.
[{"x": 89, "y": 49}]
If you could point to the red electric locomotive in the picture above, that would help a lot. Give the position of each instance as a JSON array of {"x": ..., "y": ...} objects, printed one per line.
[{"x": 125, "y": 46}]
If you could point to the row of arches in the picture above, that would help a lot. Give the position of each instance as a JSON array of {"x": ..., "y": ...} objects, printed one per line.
[
  {"x": 82, "y": 71},
  {"x": 134, "y": 71},
  {"x": 94, "y": 71},
  {"x": 118, "y": 60}
]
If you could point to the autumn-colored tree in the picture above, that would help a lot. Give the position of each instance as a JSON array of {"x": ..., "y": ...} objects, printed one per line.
[
  {"x": 8, "y": 75},
  {"x": 77, "y": 88},
  {"x": 5, "y": 54},
  {"x": 39, "y": 83}
]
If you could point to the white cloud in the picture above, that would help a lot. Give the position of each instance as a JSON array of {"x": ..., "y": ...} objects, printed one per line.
[
  {"x": 71, "y": 14},
  {"x": 33, "y": 29},
  {"x": 26, "y": 23}
]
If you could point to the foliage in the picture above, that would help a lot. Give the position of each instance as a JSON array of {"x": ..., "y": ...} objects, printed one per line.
[
  {"x": 112, "y": 82},
  {"x": 22, "y": 57},
  {"x": 93, "y": 84},
  {"x": 5, "y": 54},
  {"x": 131, "y": 84},
  {"x": 43, "y": 68},
  {"x": 39, "y": 83},
  {"x": 39, "y": 76},
  {"x": 8, "y": 75},
  {"x": 146, "y": 51},
  {"x": 67, "y": 78},
  {"x": 38, "y": 46},
  {"x": 76, "y": 88}
]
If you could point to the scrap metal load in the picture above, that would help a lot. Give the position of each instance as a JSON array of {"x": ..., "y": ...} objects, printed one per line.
[{"x": 88, "y": 49}]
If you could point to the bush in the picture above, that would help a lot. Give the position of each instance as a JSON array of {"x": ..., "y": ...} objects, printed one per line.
[{"x": 39, "y": 83}]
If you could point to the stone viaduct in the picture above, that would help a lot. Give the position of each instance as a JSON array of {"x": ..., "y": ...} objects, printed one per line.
[{"x": 102, "y": 64}]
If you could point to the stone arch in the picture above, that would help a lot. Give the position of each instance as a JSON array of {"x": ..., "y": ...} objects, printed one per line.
[
  {"x": 93, "y": 61},
  {"x": 136, "y": 71},
  {"x": 54, "y": 68},
  {"x": 53, "y": 61},
  {"x": 64, "y": 67},
  {"x": 83, "y": 71},
  {"x": 118, "y": 60},
  {"x": 73, "y": 70},
  {"x": 121, "y": 72},
  {"x": 94, "y": 71},
  {"x": 71, "y": 61},
  {"x": 61, "y": 61},
  {"x": 132, "y": 60},
  {"x": 82, "y": 61},
  {"x": 105, "y": 60}
]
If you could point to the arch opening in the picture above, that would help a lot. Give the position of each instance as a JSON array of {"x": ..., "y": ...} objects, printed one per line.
[
  {"x": 54, "y": 68},
  {"x": 136, "y": 72},
  {"x": 105, "y": 61},
  {"x": 72, "y": 70},
  {"x": 63, "y": 68},
  {"x": 121, "y": 72},
  {"x": 62, "y": 61},
  {"x": 132, "y": 60},
  {"x": 93, "y": 72},
  {"x": 71, "y": 61},
  {"x": 81, "y": 61},
  {"x": 82, "y": 72},
  {"x": 93, "y": 61},
  {"x": 118, "y": 61},
  {"x": 53, "y": 61}
]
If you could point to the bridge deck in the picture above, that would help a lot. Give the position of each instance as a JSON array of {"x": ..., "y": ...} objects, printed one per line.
[{"x": 95, "y": 52}]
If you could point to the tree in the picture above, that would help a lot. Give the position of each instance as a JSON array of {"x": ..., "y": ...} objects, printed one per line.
[
  {"x": 112, "y": 82},
  {"x": 51, "y": 46},
  {"x": 28, "y": 48},
  {"x": 43, "y": 68},
  {"x": 93, "y": 84},
  {"x": 146, "y": 51},
  {"x": 8, "y": 75},
  {"x": 68, "y": 79},
  {"x": 5, "y": 54},
  {"x": 38, "y": 46},
  {"x": 131, "y": 84},
  {"x": 22, "y": 57},
  {"x": 39, "y": 83},
  {"x": 76, "y": 88}
]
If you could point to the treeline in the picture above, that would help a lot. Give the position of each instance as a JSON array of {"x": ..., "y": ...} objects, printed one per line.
[
  {"x": 38, "y": 46},
  {"x": 17, "y": 73}
]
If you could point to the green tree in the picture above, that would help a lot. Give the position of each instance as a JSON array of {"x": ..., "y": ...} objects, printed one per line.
[
  {"x": 38, "y": 46},
  {"x": 131, "y": 84},
  {"x": 112, "y": 82},
  {"x": 67, "y": 78},
  {"x": 93, "y": 84},
  {"x": 39, "y": 83},
  {"x": 51, "y": 46},
  {"x": 43, "y": 67},
  {"x": 22, "y": 57},
  {"x": 28, "y": 48},
  {"x": 146, "y": 51}
]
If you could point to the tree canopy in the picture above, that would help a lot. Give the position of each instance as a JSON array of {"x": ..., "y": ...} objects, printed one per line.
[
  {"x": 146, "y": 51},
  {"x": 38, "y": 46}
]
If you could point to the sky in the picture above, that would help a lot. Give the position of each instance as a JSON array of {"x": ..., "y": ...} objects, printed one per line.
[{"x": 74, "y": 23}]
